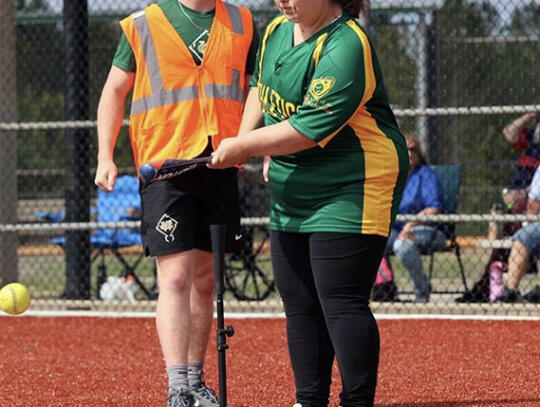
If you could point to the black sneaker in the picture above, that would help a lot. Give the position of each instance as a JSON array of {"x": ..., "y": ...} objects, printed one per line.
[
  {"x": 473, "y": 296},
  {"x": 533, "y": 295},
  {"x": 509, "y": 295},
  {"x": 384, "y": 292}
]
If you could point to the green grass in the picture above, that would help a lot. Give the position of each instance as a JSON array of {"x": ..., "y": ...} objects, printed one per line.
[
  {"x": 446, "y": 273},
  {"x": 45, "y": 275}
]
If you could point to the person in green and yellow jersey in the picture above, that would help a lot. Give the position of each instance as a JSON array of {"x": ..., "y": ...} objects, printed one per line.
[{"x": 337, "y": 168}]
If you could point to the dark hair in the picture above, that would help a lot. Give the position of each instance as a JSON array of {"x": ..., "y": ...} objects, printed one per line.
[
  {"x": 352, "y": 7},
  {"x": 413, "y": 137}
]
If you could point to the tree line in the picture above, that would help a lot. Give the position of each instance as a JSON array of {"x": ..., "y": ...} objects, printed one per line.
[{"x": 475, "y": 57}]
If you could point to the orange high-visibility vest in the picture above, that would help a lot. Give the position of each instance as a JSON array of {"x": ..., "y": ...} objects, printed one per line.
[{"x": 176, "y": 104}]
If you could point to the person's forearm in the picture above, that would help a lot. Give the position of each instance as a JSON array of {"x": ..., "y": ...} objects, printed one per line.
[
  {"x": 277, "y": 139},
  {"x": 109, "y": 121},
  {"x": 110, "y": 112},
  {"x": 426, "y": 211},
  {"x": 512, "y": 130},
  {"x": 252, "y": 118}
]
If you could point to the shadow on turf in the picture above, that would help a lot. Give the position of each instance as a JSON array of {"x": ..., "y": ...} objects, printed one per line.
[{"x": 464, "y": 403}]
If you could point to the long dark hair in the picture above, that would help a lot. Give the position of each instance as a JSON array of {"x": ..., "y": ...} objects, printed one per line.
[{"x": 352, "y": 7}]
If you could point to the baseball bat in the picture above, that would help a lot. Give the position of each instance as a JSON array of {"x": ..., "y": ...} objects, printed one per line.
[{"x": 163, "y": 169}]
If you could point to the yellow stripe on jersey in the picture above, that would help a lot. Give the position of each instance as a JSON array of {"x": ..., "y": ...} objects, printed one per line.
[
  {"x": 271, "y": 27},
  {"x": 318, "y": 48},
  {"x": 380, "y": 155},
  {"x": 381, "y": 166},
  {"x": 370, "y": 77},
  {"x": 368, "y": 63}
]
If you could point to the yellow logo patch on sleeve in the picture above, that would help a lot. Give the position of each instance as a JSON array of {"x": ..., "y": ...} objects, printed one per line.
[{"x": 321, "y": 86}]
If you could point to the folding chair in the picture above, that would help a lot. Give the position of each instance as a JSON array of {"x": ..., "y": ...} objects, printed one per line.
[
  {"x": 121, "y": 204},
  {"x": 450, "y": 177}
]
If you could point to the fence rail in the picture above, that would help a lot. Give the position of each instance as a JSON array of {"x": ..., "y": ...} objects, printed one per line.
[
  {"x": 263, "y": 221},
  {"x": 427, "y": 112}
]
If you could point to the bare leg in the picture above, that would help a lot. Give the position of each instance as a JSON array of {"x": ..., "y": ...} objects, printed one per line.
[
  {"x": 518, "y": 264},
  {"x": 173, "y": 322},
  {"x": 202, "y": 305}
]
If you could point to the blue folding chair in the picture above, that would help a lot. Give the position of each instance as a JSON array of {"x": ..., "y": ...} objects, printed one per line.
[{"x": 121, "y": 204}]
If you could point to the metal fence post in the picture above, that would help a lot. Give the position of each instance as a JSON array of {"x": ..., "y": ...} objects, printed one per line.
[
  {"x": 77, "y": 148},
  {"x": 435, "y": 150},
  {"x": 8, "y": 139}
]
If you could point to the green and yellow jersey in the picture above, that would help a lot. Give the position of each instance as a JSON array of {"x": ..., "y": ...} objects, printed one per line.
[
  {"x": 330, "y": 89},
  {"x": 194, "y": 29}
]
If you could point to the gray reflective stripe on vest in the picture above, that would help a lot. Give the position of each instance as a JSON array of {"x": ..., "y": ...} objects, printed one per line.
[
  {"x": 233, "y": 91},
  {"x": 154, "y": 74},
  {"x": 159, "y": 96},
  {"x": 236, "y": 18},
  {"x": 164, "y": 98}
]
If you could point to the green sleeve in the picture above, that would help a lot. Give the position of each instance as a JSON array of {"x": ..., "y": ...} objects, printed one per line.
[
  {"x": 335, "y": 89},
  {"x": 123, "y": 58}
]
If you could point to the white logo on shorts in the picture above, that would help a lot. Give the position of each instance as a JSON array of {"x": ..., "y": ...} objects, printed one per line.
[
  {"x": 238, "y": 236},
  {"x": 166, "y": 226}
]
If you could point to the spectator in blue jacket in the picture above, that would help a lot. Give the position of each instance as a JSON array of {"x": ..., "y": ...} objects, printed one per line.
[{"x": 422, "y": 196}]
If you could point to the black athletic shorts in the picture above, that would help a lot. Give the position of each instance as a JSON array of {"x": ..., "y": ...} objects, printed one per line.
[{"x": 177, "y": 212}]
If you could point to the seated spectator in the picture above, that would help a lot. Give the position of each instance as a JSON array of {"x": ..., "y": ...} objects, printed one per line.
[
  {"x": 422, "y": 196},
  {"x": 526, "y": 244},
  {"x": 523, "y": 134}
]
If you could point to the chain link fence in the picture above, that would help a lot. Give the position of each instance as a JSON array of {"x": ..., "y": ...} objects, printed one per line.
[{"x": 457, "y": 73}]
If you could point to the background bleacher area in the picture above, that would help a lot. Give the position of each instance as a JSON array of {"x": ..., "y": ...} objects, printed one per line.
[{"x": 457, "y": 72}]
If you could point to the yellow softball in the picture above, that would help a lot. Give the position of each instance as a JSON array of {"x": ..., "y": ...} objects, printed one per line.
[{"x": 14, "y": 298}]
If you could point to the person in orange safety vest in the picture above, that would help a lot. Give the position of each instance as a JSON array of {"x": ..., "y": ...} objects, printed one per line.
[{"x": 188, "y": 65}]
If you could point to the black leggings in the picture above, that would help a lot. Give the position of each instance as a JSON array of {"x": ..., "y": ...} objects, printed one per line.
[{"x": 325, "y": 281}]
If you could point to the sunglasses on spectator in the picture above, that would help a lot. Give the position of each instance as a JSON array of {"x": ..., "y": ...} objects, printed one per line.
[{"x": 413, "y": 149}]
